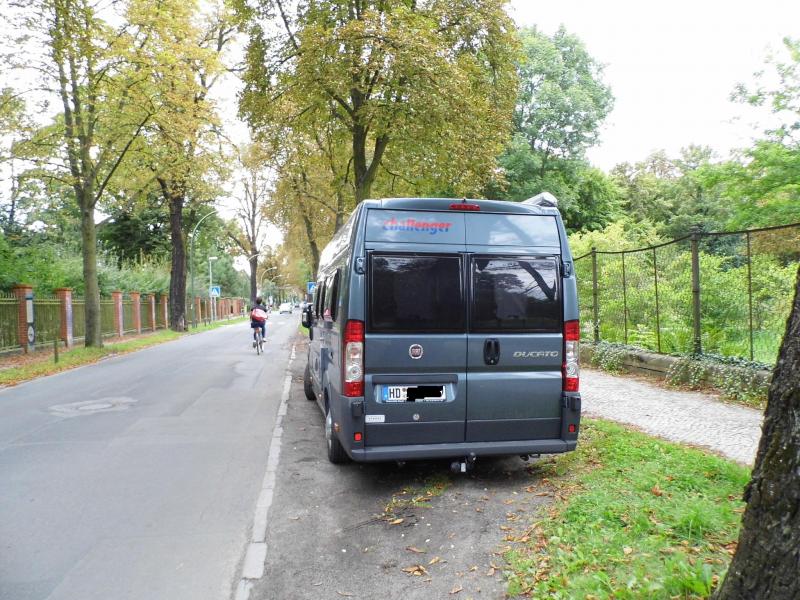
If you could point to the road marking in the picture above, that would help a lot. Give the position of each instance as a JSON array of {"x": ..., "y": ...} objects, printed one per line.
[{"x": 256, "y": 553}]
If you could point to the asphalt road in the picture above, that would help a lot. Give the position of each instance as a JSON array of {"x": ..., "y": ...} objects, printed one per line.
[{"x": 136, "y": 478}]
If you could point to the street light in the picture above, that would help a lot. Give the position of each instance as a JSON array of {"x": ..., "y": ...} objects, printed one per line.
[
  {"x": 211, "y": 285},
  {"x": 191, "y": 262},
  {"x": 261, "y": 279}
]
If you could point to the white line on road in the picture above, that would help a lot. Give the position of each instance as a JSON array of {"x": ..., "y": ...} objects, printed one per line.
[{"x": 256, "y": 554}]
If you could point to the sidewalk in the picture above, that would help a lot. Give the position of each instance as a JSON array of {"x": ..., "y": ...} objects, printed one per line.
[{"x": 689, "y": 417}]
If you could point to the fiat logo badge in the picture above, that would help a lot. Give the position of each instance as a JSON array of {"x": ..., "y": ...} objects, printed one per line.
[{"x": 415, "y": 351}]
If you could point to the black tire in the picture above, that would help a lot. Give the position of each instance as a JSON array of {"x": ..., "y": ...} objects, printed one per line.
[
  {"x": 308, "y": 388},
  {"x": 258, "y": 343},
  {"x": 336, "y": 453}
]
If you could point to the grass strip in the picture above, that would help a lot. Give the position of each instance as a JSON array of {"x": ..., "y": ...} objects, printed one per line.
[
  {"x": 634, "y": 517},
  {"x": 80, "y": 356}
]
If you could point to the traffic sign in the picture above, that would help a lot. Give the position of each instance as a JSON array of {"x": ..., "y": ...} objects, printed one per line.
[
  {"x": 311, "y": 286},
  {"x": 215, "y": 291}
]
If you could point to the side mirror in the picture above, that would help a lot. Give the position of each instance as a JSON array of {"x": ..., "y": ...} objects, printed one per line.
[{"x": 306, "y": 320}]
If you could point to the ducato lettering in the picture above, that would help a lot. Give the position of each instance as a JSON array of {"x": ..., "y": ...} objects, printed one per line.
[{"x": 537, "y": 354}]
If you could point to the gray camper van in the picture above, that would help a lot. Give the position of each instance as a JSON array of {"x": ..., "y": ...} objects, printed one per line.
[{"x": 446, "y": 329}]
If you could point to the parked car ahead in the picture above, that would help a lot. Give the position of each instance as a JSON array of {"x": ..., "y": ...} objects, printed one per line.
[{"x": 285, "y": 307}]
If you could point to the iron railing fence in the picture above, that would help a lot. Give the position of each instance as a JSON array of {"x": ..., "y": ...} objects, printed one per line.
[
  {"x": 128, "y": 324},
  {"x": 9, "y": 315},
  {"x": 725, "y": 293},
  {"x": 107, "y": 325},
  {"x": 47, "y": 319}
]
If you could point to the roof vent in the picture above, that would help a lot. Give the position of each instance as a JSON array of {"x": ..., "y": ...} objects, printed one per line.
[{"x": 545, "y": 199}]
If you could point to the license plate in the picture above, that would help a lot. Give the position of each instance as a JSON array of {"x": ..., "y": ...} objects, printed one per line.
[{"x": 413, "y": 393}]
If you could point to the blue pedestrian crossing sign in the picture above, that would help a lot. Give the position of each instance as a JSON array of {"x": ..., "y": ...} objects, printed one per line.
[
  {"x": 311, "y": 286},
  {"x": 215, "y": 291}
]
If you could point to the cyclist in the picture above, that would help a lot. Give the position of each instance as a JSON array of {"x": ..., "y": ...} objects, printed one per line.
[{"x": 258, "y": 319}]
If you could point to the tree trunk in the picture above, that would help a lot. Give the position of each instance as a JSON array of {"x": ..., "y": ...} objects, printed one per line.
[
  {"x": 766, "y": 565},
  {"x": 94, "y": 333},
  {"x": 253, "y": 277},
  {"x": 177, "y": 281},
  {"x": 312, "y": 243}
]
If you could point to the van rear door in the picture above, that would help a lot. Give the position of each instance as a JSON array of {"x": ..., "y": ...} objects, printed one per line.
[
  {"x": 515, "y": 340},
  {"x": 416, "y": 346}
]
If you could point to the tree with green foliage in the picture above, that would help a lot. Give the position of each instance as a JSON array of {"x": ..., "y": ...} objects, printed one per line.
[
  {"x": 562, "y": 100},
  {"x": 561, "y": 104},
  {"x": 180, "y": 155},
  {"x": 426, "y": 85},
  {"x": 252, "y": 198},
  {"x": 92, "y": 68}
]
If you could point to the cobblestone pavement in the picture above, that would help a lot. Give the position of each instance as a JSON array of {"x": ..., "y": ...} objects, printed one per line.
[{"x": 690, "y": 417}]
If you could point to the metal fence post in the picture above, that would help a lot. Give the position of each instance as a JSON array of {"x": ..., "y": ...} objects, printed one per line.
[
  {"x": 595, "y": 307},
  {"x": 694, "y": 243},
  {"x": 658, "y": 310},
  {"x": 624, "y": 301},
  {"x": 750, "y": 292}
]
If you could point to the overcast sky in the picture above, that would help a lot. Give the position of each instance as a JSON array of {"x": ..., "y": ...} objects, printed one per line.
[{"x": 671, "y": 66}]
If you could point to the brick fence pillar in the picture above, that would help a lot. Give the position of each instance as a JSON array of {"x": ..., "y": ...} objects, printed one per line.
[
  {"x": 24, "y": 293},
  {"x": 151, "y": 312},
  {"x": 119, "y": 325},
  {"x": 136, "y": 301},
  {"x": 64, "y": 295},
  {"x": 165, "y": 310}
]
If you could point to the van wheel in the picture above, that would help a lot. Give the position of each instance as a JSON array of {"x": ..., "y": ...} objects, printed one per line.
[
  {"x": 336, "y": 453},
  {"x": 308, "y": 388}
]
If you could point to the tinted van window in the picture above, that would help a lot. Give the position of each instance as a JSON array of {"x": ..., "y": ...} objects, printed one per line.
[
  {"x": 515, "y": 294},
  {"x": 416, "y": 293},
  {"x": 332, "y": 296}
]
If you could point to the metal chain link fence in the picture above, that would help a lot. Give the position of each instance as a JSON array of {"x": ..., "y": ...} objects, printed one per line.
[{"x": 726, "y": 293}]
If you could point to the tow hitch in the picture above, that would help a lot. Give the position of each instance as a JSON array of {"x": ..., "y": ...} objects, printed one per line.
[{"x": 462, "y": 466}]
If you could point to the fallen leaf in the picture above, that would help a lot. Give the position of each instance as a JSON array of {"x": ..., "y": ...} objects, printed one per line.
[
  {"x": 415, "y": 550},
  {"x": 345, "y": 594},
  {"x": 627, "y": 550},
  {"x": 434, "y": 560},
  {"x": 656, "y": 491},
  {"x": 509, "y": 501},
  {"x": 505, "y": 528},
  {"x": 473, "y": 568},
  {"x": 456, "y": 589},
  {"x": 396, "y": 521},
  {"x": 415, "y": 570},
  {"x": 491, "y": 572}
]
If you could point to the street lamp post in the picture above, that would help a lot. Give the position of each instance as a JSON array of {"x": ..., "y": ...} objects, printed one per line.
[
  {"x": 261, "y": 279},
  {"x": 211, "y": 298},
  {"x": 191, "y": 262}
]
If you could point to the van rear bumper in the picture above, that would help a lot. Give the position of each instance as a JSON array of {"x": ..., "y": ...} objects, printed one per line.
[{"x": 460, "y": 450}]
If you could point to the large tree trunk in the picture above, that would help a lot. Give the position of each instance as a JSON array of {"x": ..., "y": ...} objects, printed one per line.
[
  {"x": 94, "y": 333},
  {"x": 766, "y": 565},
  {"x": 312, "y": 243},
  {"x": 177, "y": 281},
  {"x": 253, "y": 276}
]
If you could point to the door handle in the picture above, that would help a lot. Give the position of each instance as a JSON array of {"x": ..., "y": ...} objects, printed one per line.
[{"x": 491, "y": 351}]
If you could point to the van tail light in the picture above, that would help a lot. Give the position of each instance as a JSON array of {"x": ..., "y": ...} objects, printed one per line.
[
  {"x": 353, "y": 365},
  {"x": 468, "y": 206},
  {"x": 570, "y": 367}
]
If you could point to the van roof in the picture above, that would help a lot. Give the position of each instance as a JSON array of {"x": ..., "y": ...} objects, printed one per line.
[{"x": 442, "y": 204}]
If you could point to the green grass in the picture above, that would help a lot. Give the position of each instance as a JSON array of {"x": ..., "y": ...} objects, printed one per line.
[
  {"x": 79, "y": 356},
  {"x": 636, "y": 518}
]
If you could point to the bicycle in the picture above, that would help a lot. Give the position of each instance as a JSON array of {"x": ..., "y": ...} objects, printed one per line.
[{"x": 259, "y": 341}]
